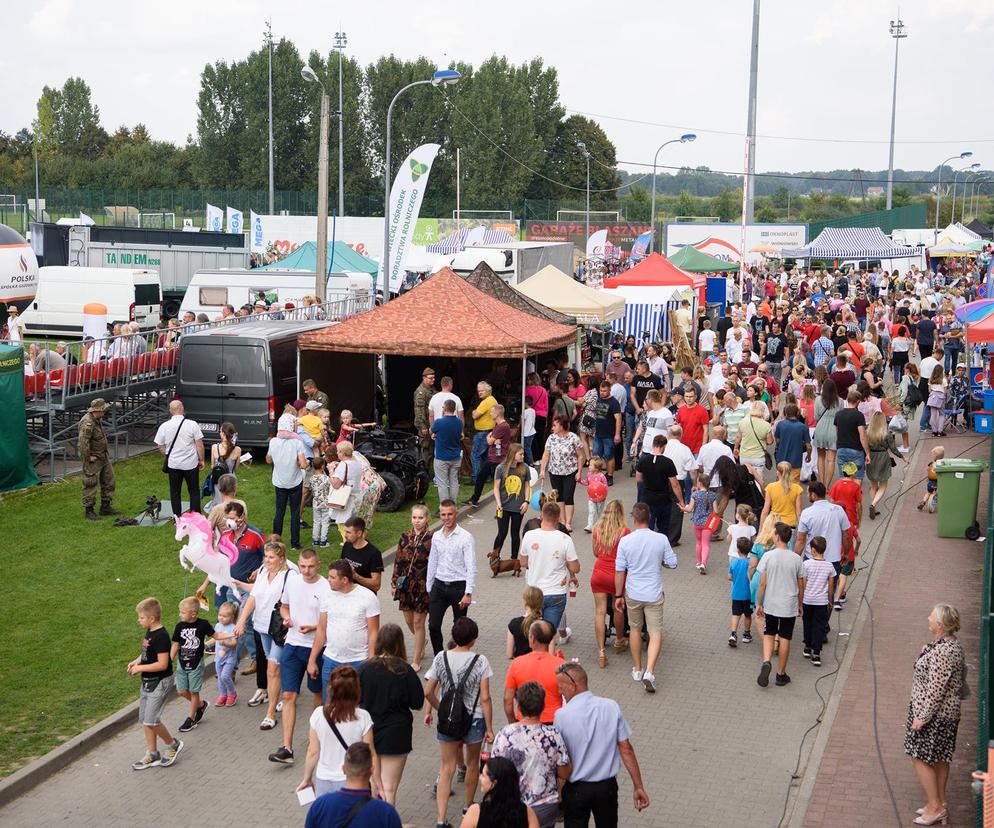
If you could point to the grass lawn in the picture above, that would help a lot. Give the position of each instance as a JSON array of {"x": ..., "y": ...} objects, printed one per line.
[{"x": 68, "y": 618}]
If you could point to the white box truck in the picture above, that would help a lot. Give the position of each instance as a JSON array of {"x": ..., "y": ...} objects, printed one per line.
[{"x": 516, "y": 261}]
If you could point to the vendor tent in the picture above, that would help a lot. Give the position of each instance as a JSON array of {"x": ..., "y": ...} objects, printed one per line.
[
  {"x": 443, "y": 316},
  {"x": 484, "y": 278},
  {"x": 850, "y": 243},
  {"x": 656, "y": 270},
  {"x": 553, "y": 288},
  {"x": 957, "y": 234},
  {"x": 946, "y": 248},
  {"x": 981, "y": 229},
  {"x": 455, "y": 242},
  {"x": 966, "y": 230},
  {"x": 341, "y": 258},
  {"x": 647, "y": 310},
  {"x": 692, "y": 260}
]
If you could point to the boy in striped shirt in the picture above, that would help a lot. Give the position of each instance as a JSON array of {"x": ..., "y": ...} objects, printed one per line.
[{"x": 819, "y": 576}]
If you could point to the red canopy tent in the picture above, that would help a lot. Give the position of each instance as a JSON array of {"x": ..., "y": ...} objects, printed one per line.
[{"x": 655, "y": 270}]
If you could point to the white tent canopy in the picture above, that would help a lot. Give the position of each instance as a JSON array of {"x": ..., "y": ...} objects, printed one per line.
[
  {"x": 554, "y": 289},
  {"x": 956, "y": 233},
  {"x": 851, "y": 243}
]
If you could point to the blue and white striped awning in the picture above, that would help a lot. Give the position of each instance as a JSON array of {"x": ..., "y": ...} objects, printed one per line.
[
  {"x": 456, "y": 242},
  {"x": 850, "y": 243},
  {"x": 654, "y": 319}
]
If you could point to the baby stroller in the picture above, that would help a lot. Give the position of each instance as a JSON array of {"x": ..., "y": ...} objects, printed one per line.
[{"x": 953, "y": 410}]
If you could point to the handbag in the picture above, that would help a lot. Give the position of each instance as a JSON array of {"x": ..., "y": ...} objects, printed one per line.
[
  {"x": 165, "y": 460},
  {"x": 277, "y": 629},
  {"x": 767, "y": 458},
  {"x": 339, "y": 498},
  {"x": 713, "y": 523}
]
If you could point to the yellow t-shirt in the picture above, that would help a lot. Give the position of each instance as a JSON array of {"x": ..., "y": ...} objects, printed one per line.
[
  {"x": 485, "y": 421},
  {"x": 784, "y": 503},
  {"x": 312, "y": 425}
]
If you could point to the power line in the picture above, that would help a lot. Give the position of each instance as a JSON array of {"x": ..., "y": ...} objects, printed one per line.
[{"x": 782, "y": 137}]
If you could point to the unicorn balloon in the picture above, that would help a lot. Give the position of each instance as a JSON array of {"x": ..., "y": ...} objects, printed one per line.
[{"x": 199, "y": 552}]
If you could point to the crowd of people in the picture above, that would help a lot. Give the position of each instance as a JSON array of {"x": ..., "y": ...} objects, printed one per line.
[{"x": 803, "y": 389}]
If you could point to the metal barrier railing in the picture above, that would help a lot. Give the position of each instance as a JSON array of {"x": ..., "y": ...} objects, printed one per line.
[{"x": 70, "y": 374}]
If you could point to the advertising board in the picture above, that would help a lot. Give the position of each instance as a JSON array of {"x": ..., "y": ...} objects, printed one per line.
[
  {"x": 723, "y": 240},
  {"x": 620, "y": 234}
]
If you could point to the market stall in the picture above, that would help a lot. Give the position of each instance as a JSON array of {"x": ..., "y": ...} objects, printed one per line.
[
  {"x": 647, "y": 310},
  {"x": 341, "y": 259},
  {"x": 554, "y": 289},
  {"x": 851, "y": 243},
  {"x": 658, "y": 271}
]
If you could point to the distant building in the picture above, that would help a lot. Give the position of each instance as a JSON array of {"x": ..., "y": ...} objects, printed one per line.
[{"x": 874, "y": 191}]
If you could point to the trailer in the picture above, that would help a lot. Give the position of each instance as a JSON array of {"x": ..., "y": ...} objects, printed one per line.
[
  {"x": 516, "y": 261},
  {"x": 175, "y": 254}
]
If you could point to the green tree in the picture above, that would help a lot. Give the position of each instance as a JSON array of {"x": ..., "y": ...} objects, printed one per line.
[
  {"x": 220, "y": 125},
  {"x": 68, "y": 123},
  {"x": 637, "y": 204},
  {"x": 781, "y": 197},
  {"x": 685, "y": 204},
  {"x": 727, "y": 205},
  {"x": 567, "y": 165}
]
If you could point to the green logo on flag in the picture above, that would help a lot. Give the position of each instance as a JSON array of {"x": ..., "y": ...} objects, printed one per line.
[{"x": 417, "y": 169}]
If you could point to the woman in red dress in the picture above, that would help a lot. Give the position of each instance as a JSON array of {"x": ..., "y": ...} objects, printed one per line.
[{"x": 607, "y": 532}]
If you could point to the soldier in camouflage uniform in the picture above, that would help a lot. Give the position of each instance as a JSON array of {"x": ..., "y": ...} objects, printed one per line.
[
  {"x": 422, "y": 396},
  {"x": 98, "y": 471}
]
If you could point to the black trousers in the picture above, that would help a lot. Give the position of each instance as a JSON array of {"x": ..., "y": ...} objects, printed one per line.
[
  {"x": 485, "y": 476},
  {"x": 815, "y": 626},
  {"x": 513, "y": 520},
  {"x": 291, "y": 498},
  {"x": 659, "y": 517},
  {"x": 176, "y": 479},
  {"x": 261, "y": 663},
  {"x": 581, "y": 800},
  {"x": 443, "y": 595}
]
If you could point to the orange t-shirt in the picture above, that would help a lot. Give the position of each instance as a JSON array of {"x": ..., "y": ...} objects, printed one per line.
[{"x": 540, "y": 667}]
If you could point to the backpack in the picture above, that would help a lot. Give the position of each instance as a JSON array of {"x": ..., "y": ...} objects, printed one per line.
[
  {"x": 913, "y": 398},
  {"x": 454, "y": 720}
]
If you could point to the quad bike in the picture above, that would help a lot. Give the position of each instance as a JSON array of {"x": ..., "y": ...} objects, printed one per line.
[{"x": 396, "y": 457}]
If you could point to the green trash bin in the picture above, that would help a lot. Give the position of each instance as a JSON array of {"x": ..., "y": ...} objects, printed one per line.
[{"x": 959, "y": 490}]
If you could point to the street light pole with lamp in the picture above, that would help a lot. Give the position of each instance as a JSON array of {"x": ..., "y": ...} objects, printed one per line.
[
  {"x": 321, "y": 269},
  {"x": 586, "y": 224},
  {"x": 981, "y": 179},
  {"x": 956, "y": 175},
  {"x": 971, "y": 178},
  {"x": 683, "y": 139},
  {"x": 443, "y": 77},
  {"x": 341, "y": 41},
  {"x": 938, "y": 187},
  {"x": 897, "y": 32}
]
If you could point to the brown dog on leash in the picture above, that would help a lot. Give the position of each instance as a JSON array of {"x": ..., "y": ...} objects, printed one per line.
[{"x": 497, "y": 565}]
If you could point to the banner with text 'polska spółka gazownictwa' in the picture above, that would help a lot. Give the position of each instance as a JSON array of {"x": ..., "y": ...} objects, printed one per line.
[{"x": 406, "y": 196}]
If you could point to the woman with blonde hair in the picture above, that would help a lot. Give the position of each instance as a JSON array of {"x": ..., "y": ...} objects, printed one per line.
[
  {"x": 517, "y": 628},
  {"x": 783, "y": 497},
  {"x": 610, "y": 529},
  {"x": 937, "y": 691},
  {"x": 882, "y": 445}
]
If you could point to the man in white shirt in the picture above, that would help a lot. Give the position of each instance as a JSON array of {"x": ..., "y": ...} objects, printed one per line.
[
  {"x": 686, "y": 473},
  {"x": 286, "y": 454},
  {"x": 348, "y": 624},
  {"x": 706, "y": 339},
  {"x": 550, "y": 559},
  {"x": 182, "y": 443},
  {"x": 925, "y": 369},
  {"x": 15, "y": 327},
  {"x": 438, "y": 399},
  {"x": 303, "y": 596},
  {"x": 638, "y": 582},
  {"x": 451, "y": 573},
  {"x": 734, "y": 344},
  {"x": 710, "y": 452},
  {"x": 658, "y": 418}
]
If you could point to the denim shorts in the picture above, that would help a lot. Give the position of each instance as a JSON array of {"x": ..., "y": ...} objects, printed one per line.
[
  {"x": 847, "y": 455},
  {"x": 327, "y": 665},
  {"x": 190, "y": 680},
  {"x": 151, "y": 702},
  {"x": 270, "y": 647},
  {"x": 603, "y": 447},
  {"x": 477, "y": 730},
  {"x": 553, "y": 609},
  {"x": 293, "y": 668}
]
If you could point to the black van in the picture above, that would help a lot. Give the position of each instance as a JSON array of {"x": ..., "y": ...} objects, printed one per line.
[{"x": 243, "y": 373}]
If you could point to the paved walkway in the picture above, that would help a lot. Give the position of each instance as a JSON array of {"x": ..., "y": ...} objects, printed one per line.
[
  {"x": 715, "y": 749},
  {"x": 917, "y": 570}
]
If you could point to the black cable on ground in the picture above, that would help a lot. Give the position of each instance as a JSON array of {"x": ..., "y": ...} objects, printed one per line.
[{"x": 868, "y": 568}]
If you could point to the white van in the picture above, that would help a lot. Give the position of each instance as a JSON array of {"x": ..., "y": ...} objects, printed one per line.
[
  {"x": 210, "y": 290},
  {"x": 57, "y": 309}
]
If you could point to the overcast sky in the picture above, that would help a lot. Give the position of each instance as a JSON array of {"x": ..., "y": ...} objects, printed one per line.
[{"x": 825, "y": 68}]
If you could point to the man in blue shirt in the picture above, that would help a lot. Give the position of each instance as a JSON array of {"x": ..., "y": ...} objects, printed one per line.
[
  {"x": 597, "y": 738},
  {"x": 446, "y": 431},
  {"x": 353, "y": 804},
  {"x": 793, "y": 439}
]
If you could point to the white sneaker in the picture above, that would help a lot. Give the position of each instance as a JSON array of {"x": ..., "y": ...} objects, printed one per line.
[
  {"x": 279, "y": 706},
  {"x": 637, "y": 674},
  {"x": 904, "y": 450},
  {"x": 649, "y": 682},
  {"x": 564, "y": 639}
]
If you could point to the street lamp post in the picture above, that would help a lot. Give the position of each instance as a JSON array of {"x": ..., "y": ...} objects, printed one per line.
[
  {"x": 971, "y": 178},
  {"x": 978, "y": 182},
  {"x": 443, "y": 77},
  {"x": 897, "y": 32},
  {"x": 586, "y": 225},
  {"x": 938, "y": 186},
  {"x": 683, "y": 139},
  {"x": 341, "y": 41},
  {"x": 268, "y": 34},
  {"x": 956, "y": 175},
  {"x": 321, "y": 269}
]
